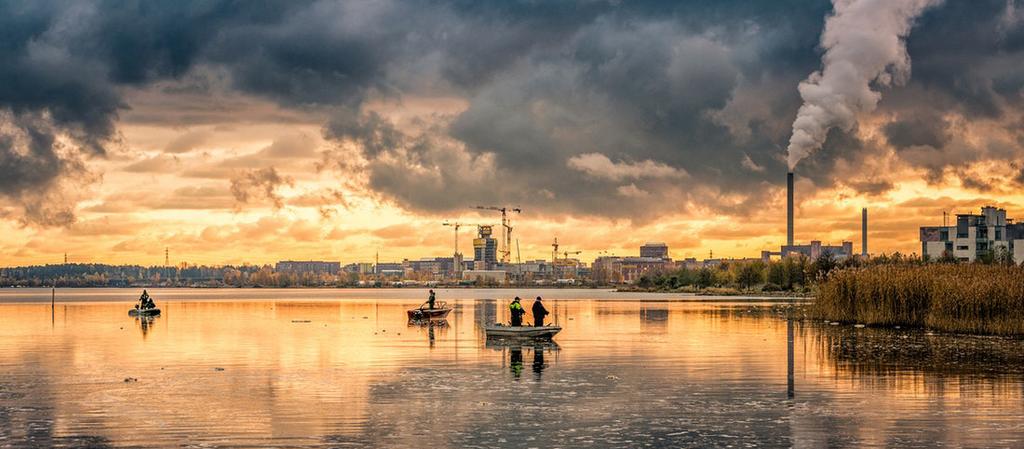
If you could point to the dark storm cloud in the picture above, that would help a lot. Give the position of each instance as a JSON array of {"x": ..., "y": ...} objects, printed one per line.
[
  {"x": 921, "y": 129},
  {"x": 257, "y": 184},
  {"x": 701, "y": 87},
  {"x": 370, "y": 131}
]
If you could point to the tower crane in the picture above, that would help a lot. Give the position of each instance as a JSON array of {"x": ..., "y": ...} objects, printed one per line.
[
  {"x": 457, "y": 257},
  {"x": 506, "y": 226},
  {"x": 555, "y": 253}
]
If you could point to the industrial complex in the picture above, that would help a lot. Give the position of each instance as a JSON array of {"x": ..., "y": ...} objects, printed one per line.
[{"x": 989, "y": 235}]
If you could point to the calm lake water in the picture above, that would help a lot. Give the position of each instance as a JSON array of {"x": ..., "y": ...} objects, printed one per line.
[{"x": 342, "y": 368}]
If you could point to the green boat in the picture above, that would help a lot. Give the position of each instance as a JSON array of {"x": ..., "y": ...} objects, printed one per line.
[{"x": 144, "y": 312}]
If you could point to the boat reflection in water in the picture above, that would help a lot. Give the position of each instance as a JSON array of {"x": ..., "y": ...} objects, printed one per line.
[
  {"x": 429, "y": 326},
  {"x": 145, "y": 323},
  {"x": 516, "y": 349}
]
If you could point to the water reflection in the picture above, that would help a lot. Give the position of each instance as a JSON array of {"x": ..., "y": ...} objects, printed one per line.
[
  {"x": 304, "y": 373},
  {"x": 433, "y": 328},
  {"x": 145, "y": 324},
  {"x": 889, "y": 351},
  {"x": 515, "y": 362},
  {"x": 538, "y": 361}
]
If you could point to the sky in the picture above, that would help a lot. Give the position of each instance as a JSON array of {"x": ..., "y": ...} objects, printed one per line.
[{"x": 251, "y": 132}]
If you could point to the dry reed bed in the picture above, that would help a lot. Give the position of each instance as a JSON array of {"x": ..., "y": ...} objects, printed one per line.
[{"x": 966, "y": 298}]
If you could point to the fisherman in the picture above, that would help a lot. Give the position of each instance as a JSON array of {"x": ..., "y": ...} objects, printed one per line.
[
  {"x": 516, "y": 309},
  {"x": 431, "y": 299},
  {"x": 539, "y": 312},
  {"x": 145, "y": 302}
]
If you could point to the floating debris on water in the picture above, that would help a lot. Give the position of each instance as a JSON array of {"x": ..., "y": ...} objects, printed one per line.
[
  {"x": 218, "y": 369},
  {"x": 130, "y": 379},
  {"x": 858, "y": 326},
  {"x": 301, "y": 321}
]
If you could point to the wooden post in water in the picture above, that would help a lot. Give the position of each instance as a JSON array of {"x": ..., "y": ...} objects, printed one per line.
[
  {"x": 789, "y": 359},
  {"x": 53, "y": 303}
]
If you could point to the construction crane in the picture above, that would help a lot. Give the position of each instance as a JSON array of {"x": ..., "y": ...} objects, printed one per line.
[
  {"x": 506, "y": 226},
  {"x": 565, "y": 254},
  {"x": 457, "y": 257}
]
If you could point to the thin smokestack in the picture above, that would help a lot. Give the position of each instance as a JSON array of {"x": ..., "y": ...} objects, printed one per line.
[
  {"x": 789, "y": 209},
  {"x": 864, "y": 232}
]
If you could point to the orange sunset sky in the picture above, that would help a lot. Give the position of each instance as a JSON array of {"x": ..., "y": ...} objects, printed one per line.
[{"x": 335, "y": 131}]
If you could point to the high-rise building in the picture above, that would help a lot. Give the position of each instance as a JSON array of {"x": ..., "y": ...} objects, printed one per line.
[
  {"x": 485, "y": 249},
  {"x": 654, "y": 249}
]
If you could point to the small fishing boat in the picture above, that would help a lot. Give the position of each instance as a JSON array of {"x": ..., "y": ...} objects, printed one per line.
[
  {"x": 144, "y": 312},
  {"x": 528, "y": 332},
  {"x": 429, "y": 314}
]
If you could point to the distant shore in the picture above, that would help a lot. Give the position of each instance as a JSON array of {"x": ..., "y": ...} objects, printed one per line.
[
  {"x": 345, "y": 287},
  {"x": 719, "y": 291}
]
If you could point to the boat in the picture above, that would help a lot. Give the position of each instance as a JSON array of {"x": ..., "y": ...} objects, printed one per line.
[
  {"x": 429, "y": 314},
  {"x": 144, "y": 312},
  {"x": 525, "y": 332}
]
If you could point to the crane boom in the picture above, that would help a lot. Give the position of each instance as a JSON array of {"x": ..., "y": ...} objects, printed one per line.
[
  {"x": 506, "y": 226},
  {"x": 456, "y": 256}
]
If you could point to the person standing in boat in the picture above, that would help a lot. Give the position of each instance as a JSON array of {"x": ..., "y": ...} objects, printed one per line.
[
  {"x": 431, "y": 300},
  {"x": 517, "y": 312},
  {"x": 539, "y": 312},
  {"x": 145, "y": 302}
]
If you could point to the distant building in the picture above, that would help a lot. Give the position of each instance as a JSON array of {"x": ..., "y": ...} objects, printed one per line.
[
  {"x": 654, "y": 249},
  {"x": 311, "y": 266},
  {"x": 626, "y": 270},
  {"x": 429, "y": 268},
  {"x": 527, "y": 271},
  {"x": 358, "y": 268},
  {"x": 389, "y": 268},
  {"x": 974, "y": 236},
  {"x": 690, "y": 263},
  {"x": 814, "y": 250},
  {"x": 485, "y": 249},
  {"x": 496, "y": 276}
]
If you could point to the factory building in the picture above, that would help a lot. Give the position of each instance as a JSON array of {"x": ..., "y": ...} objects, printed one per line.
[
  {"x": 815, "y": 248},
  {"x": 975, "y": 236},
  {"x": 657, "y": 250},
  {"x": 485, "y": 249},
  {"x": 308, "y": 266}
]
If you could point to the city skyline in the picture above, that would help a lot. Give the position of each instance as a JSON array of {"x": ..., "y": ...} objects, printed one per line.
[{"x": 342, "y": 130}]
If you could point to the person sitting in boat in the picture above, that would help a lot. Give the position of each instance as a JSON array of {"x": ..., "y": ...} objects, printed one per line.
[
  {"x": 145, "y": 302},
  {"x": 539, "y": 312},
  {"x": 431, "y": 300},
  {"x": 517, "y": 311}
]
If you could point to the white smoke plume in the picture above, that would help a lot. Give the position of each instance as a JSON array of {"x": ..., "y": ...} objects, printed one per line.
[{"x": 865, "y": 48}]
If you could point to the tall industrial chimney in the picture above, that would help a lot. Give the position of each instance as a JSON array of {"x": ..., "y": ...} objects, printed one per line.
[
  {"x": 789, "y": 209},
  {"x": 864, "y": 232}
]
